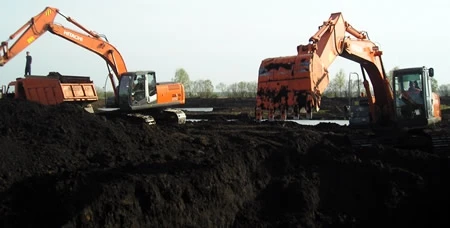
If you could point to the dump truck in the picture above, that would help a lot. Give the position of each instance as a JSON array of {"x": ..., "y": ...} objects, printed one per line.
[{"x": 53, "y": 89}]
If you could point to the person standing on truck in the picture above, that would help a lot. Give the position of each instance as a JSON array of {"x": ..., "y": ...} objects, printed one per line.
[{"x": 28, "y": 64}]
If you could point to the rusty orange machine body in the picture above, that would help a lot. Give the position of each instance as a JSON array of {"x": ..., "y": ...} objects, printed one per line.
[
  {"x": 296, "y": 83},
  {"x": 53, "y": 89},
  {"x": 152, "y": 96}
]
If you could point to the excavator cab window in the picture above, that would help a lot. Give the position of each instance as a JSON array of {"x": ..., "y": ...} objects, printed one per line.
[
  {"x": 151, "y": 84},
  {"x": 409, "y": 97},
  {"x": 137, "y": 89}
]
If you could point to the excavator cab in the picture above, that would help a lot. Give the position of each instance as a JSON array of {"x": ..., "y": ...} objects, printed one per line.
[
  {"x": 415, "y": 104},
  {"x": 139, "y": 93},
  {"x": 137, "y": 90}
]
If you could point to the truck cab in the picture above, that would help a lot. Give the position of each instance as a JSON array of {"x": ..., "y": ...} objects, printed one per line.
[{"x": 8, "y": 91}]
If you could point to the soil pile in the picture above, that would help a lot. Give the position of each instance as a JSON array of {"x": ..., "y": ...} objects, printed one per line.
[{"x": 62, "y": 167}]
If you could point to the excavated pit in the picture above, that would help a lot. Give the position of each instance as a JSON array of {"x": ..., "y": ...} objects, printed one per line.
[{"x": 63, "y": 167}]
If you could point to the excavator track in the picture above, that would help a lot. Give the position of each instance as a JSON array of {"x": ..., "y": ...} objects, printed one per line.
[
  {"x": 145, "y": 118},
  {"x": 171, "y": 115},
  {"x": 362, "y": 141},
  {"x": 441, "y": 142},
  {"x": 435, "y": 141},
  {"x": 164, "y": 116}
]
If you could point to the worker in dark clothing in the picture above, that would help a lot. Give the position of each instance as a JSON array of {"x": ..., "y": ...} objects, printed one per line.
[{"x": 28, "y": 64}]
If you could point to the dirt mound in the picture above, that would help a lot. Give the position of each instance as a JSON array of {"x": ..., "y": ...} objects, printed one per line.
[{"x": 62, "y": 167}]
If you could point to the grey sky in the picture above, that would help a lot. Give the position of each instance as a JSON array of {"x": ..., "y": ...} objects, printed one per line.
[{"x": 225, "y": 41}]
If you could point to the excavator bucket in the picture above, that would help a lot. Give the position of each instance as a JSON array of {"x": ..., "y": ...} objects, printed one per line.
[{"x": 290, "y": 86}]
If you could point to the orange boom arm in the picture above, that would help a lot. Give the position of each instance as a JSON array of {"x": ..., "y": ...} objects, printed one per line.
[{"x": 44, "y": 22}]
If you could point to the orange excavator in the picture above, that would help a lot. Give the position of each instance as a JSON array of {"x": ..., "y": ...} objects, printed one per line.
[
  {"x": 137, "y": 93},
  {"x": 292, "y": 84}
]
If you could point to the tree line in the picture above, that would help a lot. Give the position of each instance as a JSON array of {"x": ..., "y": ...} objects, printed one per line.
[{"x": 204, "y": 88}]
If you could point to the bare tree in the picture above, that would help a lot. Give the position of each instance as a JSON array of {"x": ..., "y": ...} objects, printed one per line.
[
  {"x": 242, "y": 89},
  {"x": 252, "y": 87},
  {"x": 222, "y": 87},
  {"x": 202, "y": 88},
  {"x": 444, "y": 90},
  {"x": 390, "y": 74},
  {"x": 182, "y": 77},
  {"x": 339, "y": 82},
  {"x": 434, "y": 85},
  {"x": 207, "y": 88},
  {"x": 329, "y": 92}
]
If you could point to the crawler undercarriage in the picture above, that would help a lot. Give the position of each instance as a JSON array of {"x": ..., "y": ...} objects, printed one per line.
[
  {"x": 150, "y": 117},
  {"x": 435, "y": 140}
]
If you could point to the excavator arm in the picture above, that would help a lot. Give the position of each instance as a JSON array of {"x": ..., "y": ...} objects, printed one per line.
[
  {"x": 29, "y": 32},
  {"x": 299, "y": 81},
  {"x": 327, "y": 42},
  {"x": 44, "y": 22},
  {"x": 367, "y": 54}
]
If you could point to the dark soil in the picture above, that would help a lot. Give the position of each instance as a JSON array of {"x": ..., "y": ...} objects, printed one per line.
[{"x": 62, "y": 167}]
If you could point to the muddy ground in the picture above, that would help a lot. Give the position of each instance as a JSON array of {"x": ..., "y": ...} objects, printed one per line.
[
  {"x": 244, "y": 108},
  {"x": 62, "y": 167},
  {"x": 241, "y": 108}
]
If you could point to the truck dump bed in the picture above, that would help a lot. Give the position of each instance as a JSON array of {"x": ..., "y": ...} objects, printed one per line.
[{"x": 55, "y": 89}]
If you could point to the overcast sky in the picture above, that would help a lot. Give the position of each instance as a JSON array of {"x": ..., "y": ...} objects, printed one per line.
[{"x": 225, "y": 41}]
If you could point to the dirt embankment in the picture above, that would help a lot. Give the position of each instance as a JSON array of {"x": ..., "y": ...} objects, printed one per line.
[{"x": 62, "y": 167}]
